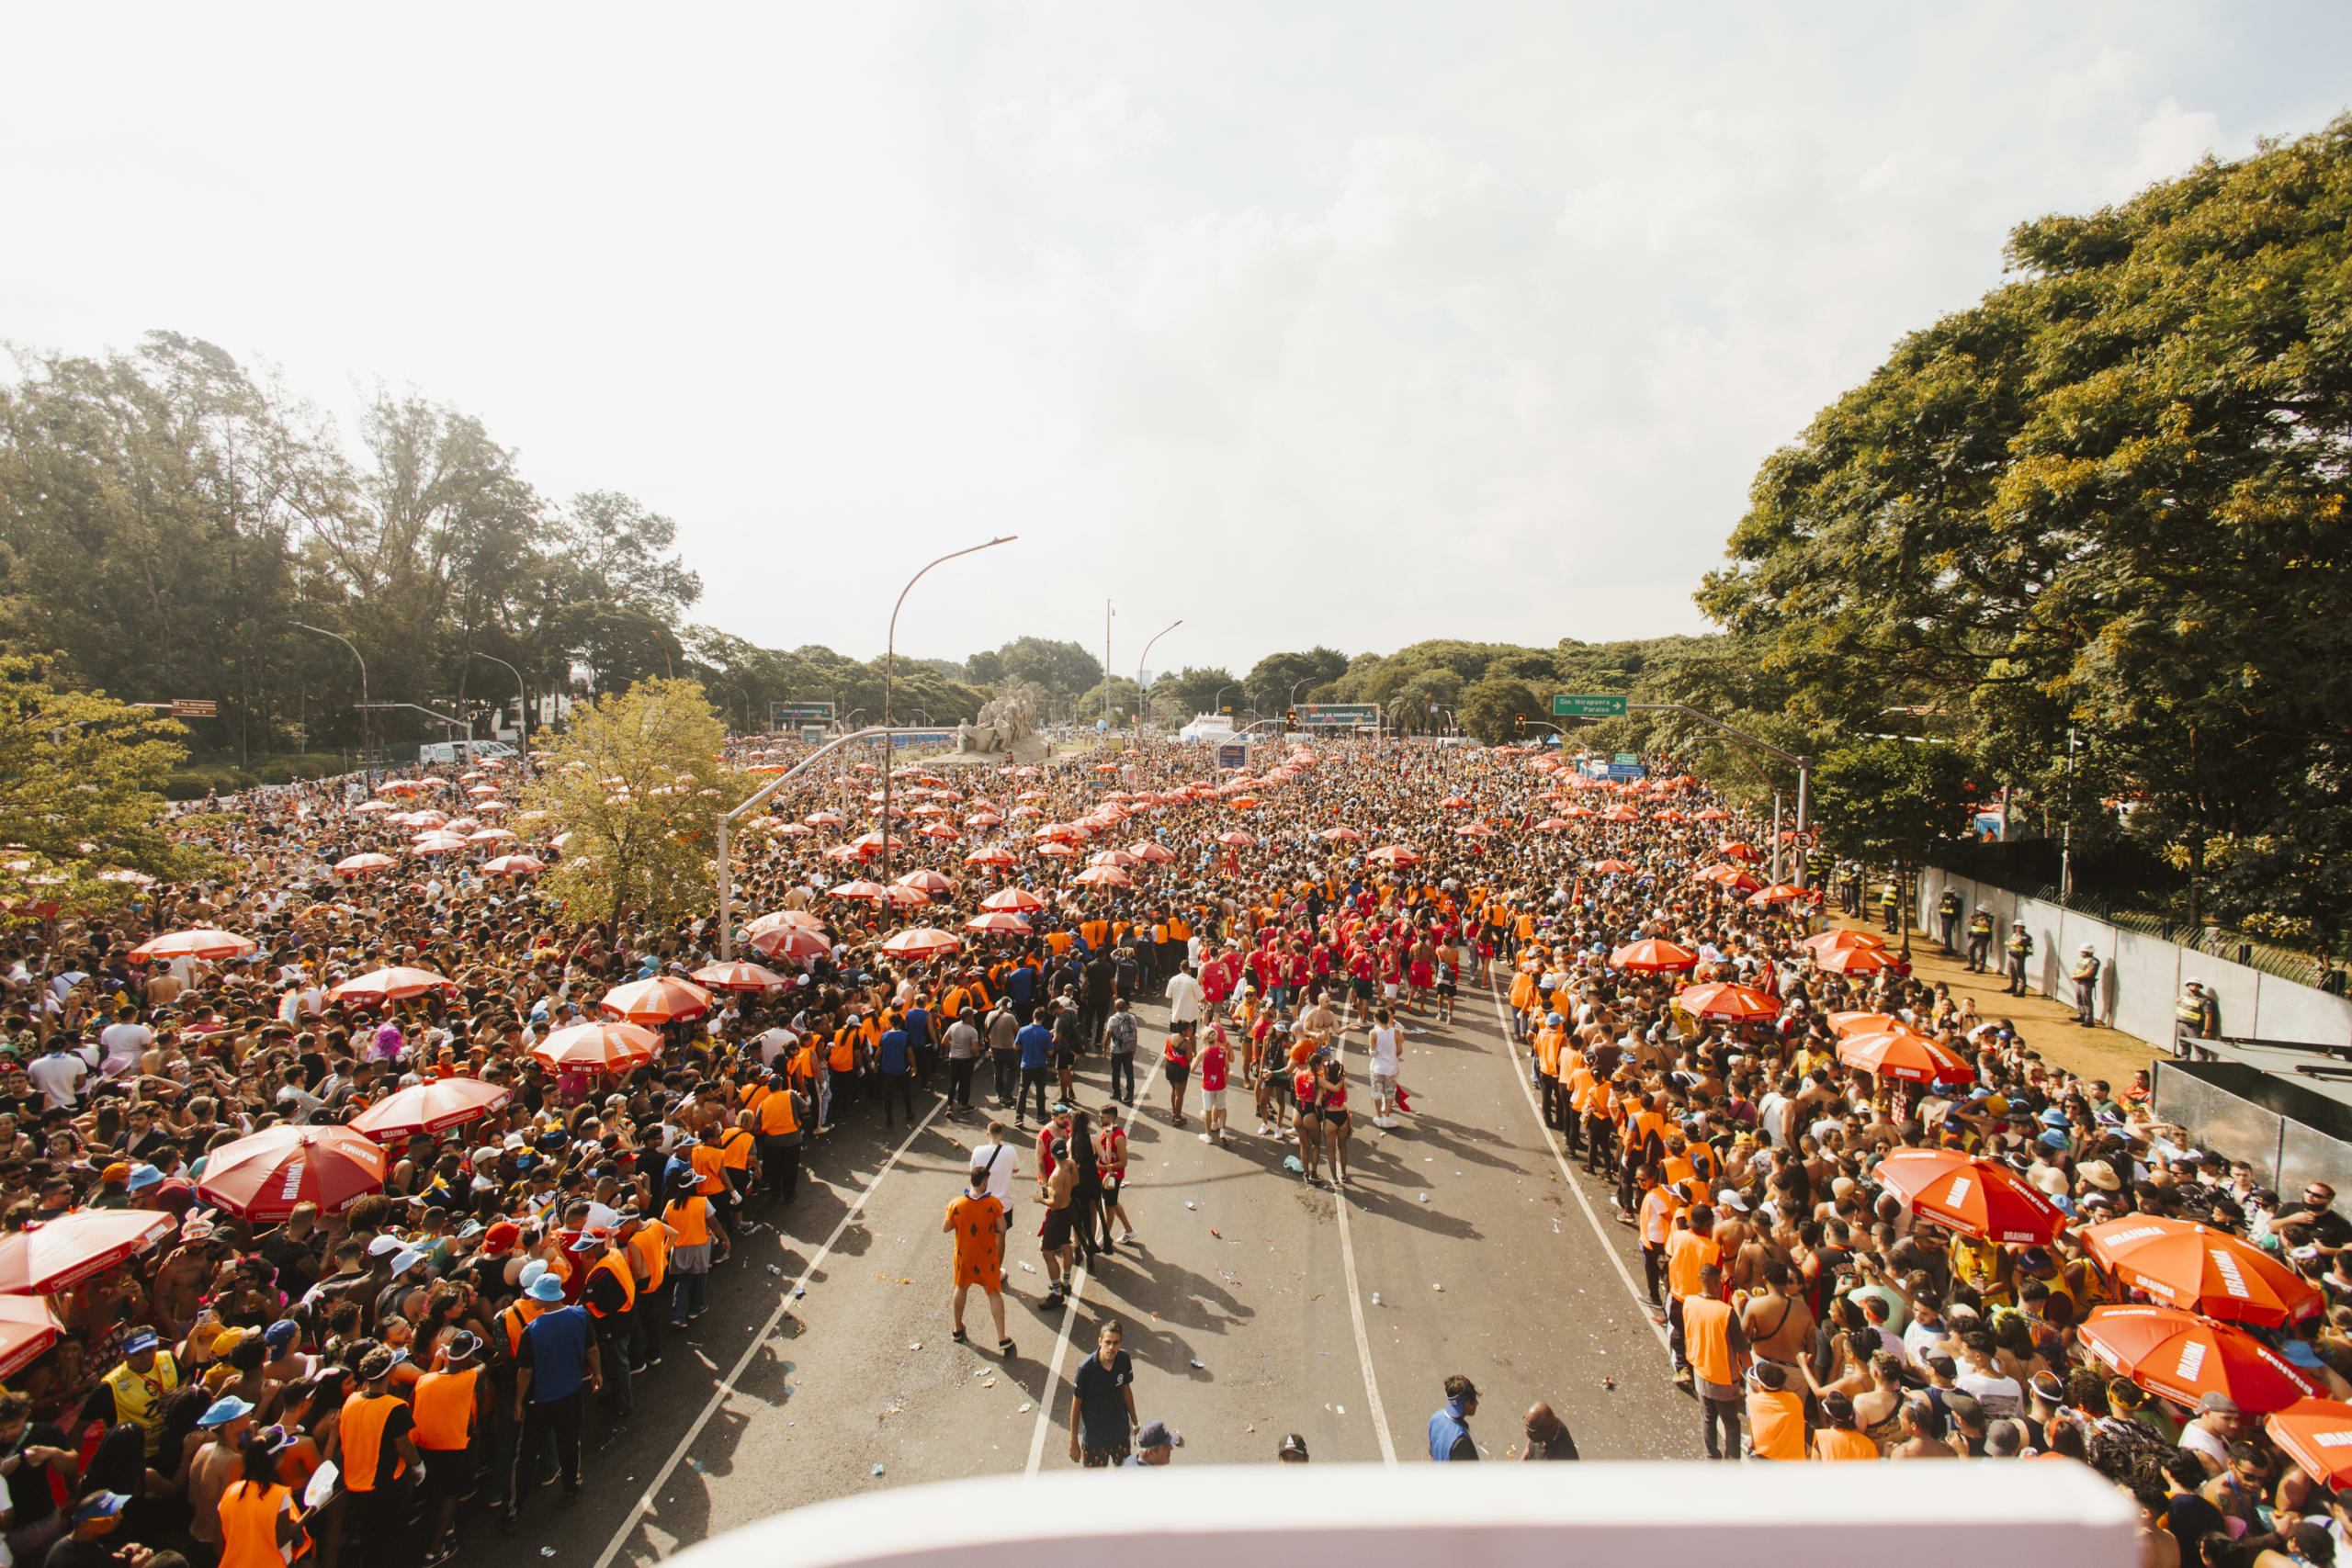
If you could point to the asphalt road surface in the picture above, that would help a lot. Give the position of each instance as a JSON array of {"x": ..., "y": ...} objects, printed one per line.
[{"x": 1254, "y": 1305}]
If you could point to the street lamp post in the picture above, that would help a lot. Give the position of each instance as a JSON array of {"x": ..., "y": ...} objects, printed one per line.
[
  {"x": 365, "y": 768},
  {"x": 890, "y": 673},
  {"x": 1216, "y": 704},
  {"x": 1142, "y": 707},
  {"x": 522, "y": 708}
]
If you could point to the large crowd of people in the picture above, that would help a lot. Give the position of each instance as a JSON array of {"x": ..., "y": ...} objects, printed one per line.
[{"x": 346, "y": 1189}]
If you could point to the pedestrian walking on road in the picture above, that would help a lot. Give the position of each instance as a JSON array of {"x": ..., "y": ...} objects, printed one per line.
[
  {"x": 1055, "y": 1193},
  {"x": 1103, "y": 1403},
  {"x": 555, "y": 1370},
  {"x": 976, "y": 1219},
  {"x": 1450, "y": 1425},
  {"x": 1156, "y": 1444},
  {"x": 1548, "y": 1435}
]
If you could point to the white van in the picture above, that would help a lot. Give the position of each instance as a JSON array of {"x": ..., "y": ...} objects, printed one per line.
[{"x": 453, "y": 753}]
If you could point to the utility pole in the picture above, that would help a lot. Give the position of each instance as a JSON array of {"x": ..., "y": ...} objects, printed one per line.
[
  {"x": 2067, "y": 845},
  {"x": 1106, "y": 667}
]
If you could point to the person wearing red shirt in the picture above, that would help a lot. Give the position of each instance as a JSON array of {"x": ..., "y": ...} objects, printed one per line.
[{"x": 1215, "y": 1064}]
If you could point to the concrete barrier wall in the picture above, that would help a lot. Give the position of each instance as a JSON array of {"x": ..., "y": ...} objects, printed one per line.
[{"x": 2142, "y": 974}]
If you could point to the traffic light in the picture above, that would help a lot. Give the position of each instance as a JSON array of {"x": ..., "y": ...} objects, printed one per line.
[
  {"x": 1518, "y": 722},
  {"x": 1290, "y": 719}
]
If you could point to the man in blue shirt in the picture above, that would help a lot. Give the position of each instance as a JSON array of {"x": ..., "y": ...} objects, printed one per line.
[
  {"x": 1021, "y": 987},
  {"x": 1036, "y": 1043},
  {"x": 555, "y": 1368},
  {"x": 894, "y": 1063},
  {"x": 1450, "y": 1426},
  {"x": 923, "y": 1036}
]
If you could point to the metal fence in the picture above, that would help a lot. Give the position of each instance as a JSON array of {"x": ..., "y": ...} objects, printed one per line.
[{"x": 2287, "y": 963}]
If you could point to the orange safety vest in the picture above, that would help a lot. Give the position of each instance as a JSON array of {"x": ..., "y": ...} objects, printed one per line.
[
  {"x": 777, "y": 1119},
  {"x": 1687, "y": 1252},
  {"x": 1776, "y": 1424},
  {"x": 1178, "y": 930},
  {"x": 613, "y": 1263},
  {"x": 518, "y": 1318},
  {"x": 690, "y": 1217},
  {"x": 249, "y": 1514},
  {"x": 1834, "y": 1444},
  {"x": 707, "y": 1162},
  {"x": 445, "y": 1410},
  {"x": 735, "y": 1149},
  {"x": 1706, "y": 1338},
  {"x": 1094, "y": 932},
  {"x": 651, "y": 1244},
  {"x": 843, "y": 1058},
  {"x": 362, "y": 1432}
]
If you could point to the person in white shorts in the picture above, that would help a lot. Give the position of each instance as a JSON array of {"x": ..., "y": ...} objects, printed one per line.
[{"x": 1386, "y": 1040}]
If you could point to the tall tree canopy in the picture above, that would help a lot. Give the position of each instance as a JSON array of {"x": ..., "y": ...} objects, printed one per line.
[{"x": 2111, "y": 497}]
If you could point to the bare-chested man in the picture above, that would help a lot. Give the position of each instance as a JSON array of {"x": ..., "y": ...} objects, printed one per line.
[{"x": 1779, "y": 1326}]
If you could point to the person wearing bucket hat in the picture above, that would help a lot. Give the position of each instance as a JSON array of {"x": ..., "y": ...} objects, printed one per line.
[{"x": 220, "y": 1461}]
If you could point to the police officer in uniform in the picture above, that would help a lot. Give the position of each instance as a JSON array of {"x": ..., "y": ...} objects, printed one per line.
[
  {"x": 2020, "y": 949},
  {"x": 1948, "y": 917},
  {"x": 2189, "y": 1014},
  {"x": 2085, "y": 977},
  {"x": 1890, "y": 904},
  {"x": 1980, "y": 939}
]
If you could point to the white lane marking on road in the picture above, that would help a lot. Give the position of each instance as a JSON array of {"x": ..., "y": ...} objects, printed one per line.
[
  {"x": 1535, "y": 1109},
  {"x": 1069, "y": 1313},
  {"x": 1363, "y": 1340},
  {"x": 644, "y": 1506}
]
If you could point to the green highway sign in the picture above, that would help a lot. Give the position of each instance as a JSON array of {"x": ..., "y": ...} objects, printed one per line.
[
  {"x": 1623, "y": 758},
  {"x": 1603, "y": 705},
  {"x": 781, "y": 714},
  {"x": 1334, "y": 714}
]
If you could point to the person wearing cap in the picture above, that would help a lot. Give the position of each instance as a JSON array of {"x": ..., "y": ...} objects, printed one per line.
[
  {"x": 556, "y": 1368},
  {"x": 260, "y": 1522},
  {"x": 95, "y": 1517},
  {"x": 1156, "y": 1443},
  {"x": 448, "y": 1404},
  {"x": 610, "y": 1296},
  {"x": 2020, "y": 951},
  {"x": 2189, "y": 1014},
  {"x": 220, "y": 1461},
  {"x": 374, "y": 1445},
  {"x": 1449, "y": 1422},
  {"x": 1292, "y": 1449},
  {"x": 2217, "y": 1424},
  {"x": 136, "y": 1390},
  {"x": 1980, "y": 939},
  {"x": 2085, "y": 974}
]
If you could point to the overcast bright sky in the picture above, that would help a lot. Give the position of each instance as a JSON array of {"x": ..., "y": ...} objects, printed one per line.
[{"x": 1350, "y": 322}]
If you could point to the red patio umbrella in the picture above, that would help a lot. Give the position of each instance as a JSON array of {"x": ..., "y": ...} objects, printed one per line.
[
  {"x": 204, "y": 944},
  {"x": 656, "y": 1001},
  {"x": 780, "y": 918},
  {"x": 429, "y": 1107},
  {"x": 1611, "y": 868},
  {"x": 989, "y": 854},
  {"x": 1988, "y": 1201},
  {"x": 355, "y": 866},
  {"x": 1002, "y": 921},
  {"x": 2184, "y": 1358},
  {"x": 1105, "y": 876},
  {"x": 1855, "y": 960},
  {"x": 1652, "y": 956},
  {"x": 607, "y": 1043},
  {"x": 2203, "y": 1271},
  {"x": 1236, "y": 838},
  {"x": 1837, "y": 940},
  {"x": 64, "y": 1251},
  {"x": 1724, "y": 999},
  {"x": 514, "y": 865},
  {"x": 788, "y": 942},
  {"x": 2317, "y": 1435},
  {"x": 264, "y": 1175},
  {"x": 1393, "y": 855},
  {"x": 27, "y": 1327},
  {"x": 1018, "y": 900},
  {"x": 1340, "y": 835},
  {"x": 1844, "y": 1024},
  {"x": 1900, "y": 1053},
  {"x": 396, "y": 984},
  {"x": 858, "y": 887},
  {"x": 739, "y": 976},
  {"x": 923, "y": 942}
]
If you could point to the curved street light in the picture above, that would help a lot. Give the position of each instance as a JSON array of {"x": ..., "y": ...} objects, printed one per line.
[
  {"x": 365, "y": 768},
  {"x": 1143, "y": 704},
  {"x": 889, "y": 676}
]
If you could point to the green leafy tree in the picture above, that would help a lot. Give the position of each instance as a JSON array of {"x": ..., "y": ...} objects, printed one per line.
[
  {"x": 1491, "y": 707},
  {"x": 636, "y": 783},
  {"x": 81, "y": 792},
  {"x": 1893, "y": 803},
  {"x": 1182, "y": 694}
]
